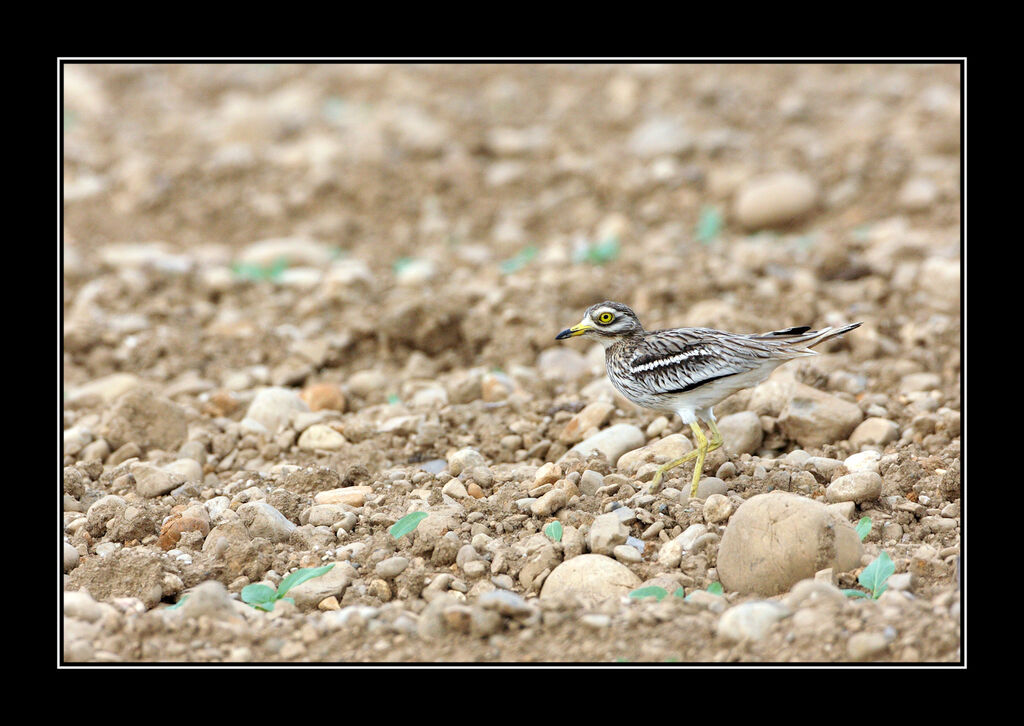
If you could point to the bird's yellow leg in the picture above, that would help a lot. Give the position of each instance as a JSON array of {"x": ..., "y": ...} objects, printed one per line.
[
  {"x": 658, "y": 475},
  {"x": 716, "y": 437},
  {"x": 702, "y": 449}
]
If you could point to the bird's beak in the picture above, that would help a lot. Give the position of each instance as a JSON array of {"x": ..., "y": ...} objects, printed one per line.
[{"x": 574, "y": 331}]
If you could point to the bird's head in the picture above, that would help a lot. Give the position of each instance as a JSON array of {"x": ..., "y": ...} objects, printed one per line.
[{"x": 608, "y": 322}]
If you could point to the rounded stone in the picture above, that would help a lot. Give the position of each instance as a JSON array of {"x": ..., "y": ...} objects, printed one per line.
[
  {"x": 613, "y": 442},
  {"x": 775, "y": 199},
  {"x": 860, "y": 486},
  {"x": 741, "y": 432},
  {"x": 775, "y": 540},
  {"x": 70, "y": 557},
  {"x": 273, "y": 408},
  {"x": 750, "y": 620},
  {"x": 321, "y": 437},
  {"x": 391, "y": 567},
  {"x": 717, "y": 508},
  {"x": 874, "y": 431},
  {"x": 591, "y": 578}
]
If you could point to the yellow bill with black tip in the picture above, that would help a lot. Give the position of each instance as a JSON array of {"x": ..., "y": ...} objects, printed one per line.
[{"x": 573, "y": 331}]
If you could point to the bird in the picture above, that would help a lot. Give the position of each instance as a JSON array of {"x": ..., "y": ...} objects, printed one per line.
[{"x": 687, "y": 371}]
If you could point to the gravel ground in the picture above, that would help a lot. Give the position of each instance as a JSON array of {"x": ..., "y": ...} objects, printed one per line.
[{"x": 302, "y": 302}]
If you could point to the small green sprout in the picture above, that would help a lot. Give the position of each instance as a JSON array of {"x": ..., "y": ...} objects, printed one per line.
[
  {"x": 402, "y": 263},
  {"x": 518, "y": 262},
  {"x": 263, "y": 597},
  {"x": 554, "y": 531},
  {"x": 658, "y": 593},
  {"x": 863, "y": 527},
  {"x": 406, "y": 524},
  {"x": 393, "y": 399},
  {"x": 248, "y": 271},
  {"x": 598, "y": 253},
  {"x": 874, "y": 578},
  {"x": 709, "y": 225},
  {"x": 178, "y": 604}
]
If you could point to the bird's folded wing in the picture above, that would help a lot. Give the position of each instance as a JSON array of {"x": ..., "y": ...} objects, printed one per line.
[{"x": 680, "y": 361}]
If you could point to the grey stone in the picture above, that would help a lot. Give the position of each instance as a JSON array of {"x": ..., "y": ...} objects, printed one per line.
[
  {"x": 309, "y": 594},
  {"x": 860, "y": 486},
  {"x": 813, "y": 418},
  {"x": 153, "y": 482},
  {"x": 750, "y": 620},
  {"x": 391, "y": 567},
  {"x": 273, "y": 407},
  {"x": 775, "y": 199},
  {"x": 606, "y": 533},
  {"x": 775, "y": 540},
  {"x": 741, "y": 432},
  {"x": 591, "y": 578},
  {"x": 263, "y": 520},
  {"x": 613, "y": 442}
]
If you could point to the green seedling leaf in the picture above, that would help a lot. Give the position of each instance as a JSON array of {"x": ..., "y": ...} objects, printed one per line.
[
  {"x": 401, "y": 263},
  {"x": 257, "y": 595},
  {"x": 554, "y": 531},
  {"x": 406, "y": 524},
  {"x": 518, "y": 262},
  {"x": 679, "y": 593},
  {"x": 874, "y": 575},
  {"x": 178, "y": 604},
  {"x": 248, "y": 271},
  {"x": 715, "y": 588},
  {"x": 300, "y": 576},
  {"x": 597, "y": 253},
  {"x": 653, "y": 591},
  {"x": 604, "y": 251},
  {"x": 855, "y": 593},
  {"x": 275, "y": 271},
  {"x": 709, "y": 224},
  {"x": 863, "y": 527}
]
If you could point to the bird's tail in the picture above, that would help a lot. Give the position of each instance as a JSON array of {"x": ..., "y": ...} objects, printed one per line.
[{"x": 801, "y": 338}]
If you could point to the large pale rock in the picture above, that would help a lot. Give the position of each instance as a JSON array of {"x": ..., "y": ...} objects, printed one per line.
[
  {"x": 102, "y": 390},
  {"x": 273, "y": 408},
  {"x": 127, "y": 572},
  {"x": 153, "y": 482},
  {"x": 263, "y": 520},
  {"x": 813, "y": 418},
  {"x": 775, "y": 540},
  {"x": 741, "y": 432},
  {"x": 592, "y": 416},
  {"x": 321, "y": 437},
  {"x": 591, "y": 578},
  {"x": 613, "y": 442},
  {"x": 667, "y": 449},
  {"x": 874, "y": 431},
  {"x": 750, "y": 620},
  {"x": 148, "y": 420},
  {"x": 860, "y": 486},
  {"x": 775, "y": 199}
]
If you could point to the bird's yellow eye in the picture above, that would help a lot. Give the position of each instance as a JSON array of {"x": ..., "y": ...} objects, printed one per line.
[{"x": 605, "y": 318}]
